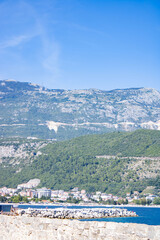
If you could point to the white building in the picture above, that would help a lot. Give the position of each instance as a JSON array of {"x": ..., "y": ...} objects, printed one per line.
[{"x": 44, "y": 192}]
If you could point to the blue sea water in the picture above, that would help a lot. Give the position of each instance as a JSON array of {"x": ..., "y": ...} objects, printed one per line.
[{"x": 146, "y": 215}]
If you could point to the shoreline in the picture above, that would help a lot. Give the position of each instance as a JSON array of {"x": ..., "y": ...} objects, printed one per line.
[
  {"x": 79, "y": 205},
  {"x": 90, "y": 205}
]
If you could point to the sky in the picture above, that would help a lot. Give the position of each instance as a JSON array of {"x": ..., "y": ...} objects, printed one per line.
[{"x": 81, "y": 44}]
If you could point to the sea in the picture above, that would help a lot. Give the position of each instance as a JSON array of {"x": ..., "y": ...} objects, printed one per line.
[{"x": 146, "y": 215}]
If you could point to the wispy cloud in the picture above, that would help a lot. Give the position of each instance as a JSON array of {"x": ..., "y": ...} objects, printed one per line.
[
  {"x": 50, "y": 51},
  {"x": 30, "y": 22},
  {"x": 15, "y": 41},
  {"x": 51, "y": 57}
]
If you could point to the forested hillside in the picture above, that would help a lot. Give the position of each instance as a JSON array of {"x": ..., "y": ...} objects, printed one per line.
[{"x": 113, "y": 162}]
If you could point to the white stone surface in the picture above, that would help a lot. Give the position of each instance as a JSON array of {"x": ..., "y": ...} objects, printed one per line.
[{"x": 30, "y": 228}]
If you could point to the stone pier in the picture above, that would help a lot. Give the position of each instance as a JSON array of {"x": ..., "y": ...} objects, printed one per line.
[
  {"x": 30, "y": 228},
  {"x": 82, "y": 213}
]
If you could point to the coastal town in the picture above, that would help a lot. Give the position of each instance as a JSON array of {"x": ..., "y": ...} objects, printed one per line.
[{"x": 29, "y": 193}]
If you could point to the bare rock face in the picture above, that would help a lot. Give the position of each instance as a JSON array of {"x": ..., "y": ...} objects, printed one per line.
[
  {"x": 27, "y": 228},
  {"x": 31, "y": 110},
  {"x": 17, "y": 150}
]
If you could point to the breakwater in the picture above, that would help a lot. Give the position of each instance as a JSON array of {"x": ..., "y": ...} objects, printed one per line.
[
  {"x": 30, "y": 228},
  {"x": 83, "y": 213}
]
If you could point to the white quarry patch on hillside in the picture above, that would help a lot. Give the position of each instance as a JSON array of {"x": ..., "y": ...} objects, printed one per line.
[
  {"x": 151, "y": 125},
  {"x": 54, "y": 125},
  {"x": 30, "y": 184},
  {"x": 126, "y": 125},
  {"x": 33, "y": 138}
]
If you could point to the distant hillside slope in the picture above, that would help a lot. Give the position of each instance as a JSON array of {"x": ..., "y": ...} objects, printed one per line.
[
  {"x": 30, "y": 110},
  {"x": 112, "y": 162}
]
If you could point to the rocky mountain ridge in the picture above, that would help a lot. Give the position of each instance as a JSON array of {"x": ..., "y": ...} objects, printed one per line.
[{"x": 30, "y": 110}]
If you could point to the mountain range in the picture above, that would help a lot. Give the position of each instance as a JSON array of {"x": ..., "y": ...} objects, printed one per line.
[{"x": 29, "y": 110}]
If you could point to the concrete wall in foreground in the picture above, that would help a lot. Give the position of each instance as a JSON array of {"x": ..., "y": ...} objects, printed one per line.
[{"x": 30, "y": 228}]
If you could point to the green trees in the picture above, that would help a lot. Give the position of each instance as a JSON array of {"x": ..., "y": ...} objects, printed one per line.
[
  {"x": 3, "y": 199},
  {"x": 122, "y": 201},
  {"x": 64, "y": 165},
  {"x": 143, "y": 201},
  {"x": 73, "y": 200},
  {"x": 156, "y": 201},
  {"x": 19, "y": 198}
]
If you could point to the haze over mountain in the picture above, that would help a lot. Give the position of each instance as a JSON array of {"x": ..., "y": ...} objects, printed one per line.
[{"x": 29, "y": 110}]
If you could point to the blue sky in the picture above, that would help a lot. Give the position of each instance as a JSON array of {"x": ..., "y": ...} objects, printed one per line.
[{"x": 79, "y": 44}]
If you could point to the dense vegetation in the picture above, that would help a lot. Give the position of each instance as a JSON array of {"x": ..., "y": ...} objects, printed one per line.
[{"x": 64, "y": 165}]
